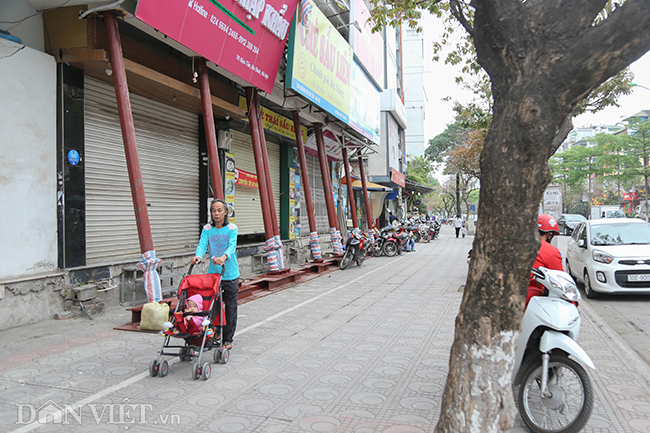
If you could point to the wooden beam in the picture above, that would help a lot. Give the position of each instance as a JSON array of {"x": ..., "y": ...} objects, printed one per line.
[
  {"x": 157, "y": 86},
  {"x": 219, "y": 104}
]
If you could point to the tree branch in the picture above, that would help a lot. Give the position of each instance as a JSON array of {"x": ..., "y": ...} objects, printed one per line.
[
  {"x": 606, "y": 48},
  {"x": 561, "y": 134},
  {"x": 457, "y": 12},
  {"x": 568, "y": 17}
]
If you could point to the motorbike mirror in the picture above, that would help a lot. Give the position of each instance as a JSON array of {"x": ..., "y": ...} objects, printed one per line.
[{"x": 537, "y": 273}]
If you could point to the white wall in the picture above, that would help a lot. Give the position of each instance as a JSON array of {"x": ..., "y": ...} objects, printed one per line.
[
  {"x": 27, "y": 24},
  {"x": 413, "y": 44},
  {"x": 28, "y": 213}
]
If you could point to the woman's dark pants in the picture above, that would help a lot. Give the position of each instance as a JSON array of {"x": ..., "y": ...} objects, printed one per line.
[{"x": 230, "y": 290}]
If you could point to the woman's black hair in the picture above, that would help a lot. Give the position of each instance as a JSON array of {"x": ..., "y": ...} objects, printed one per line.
[{"x": 225, "y": 206}]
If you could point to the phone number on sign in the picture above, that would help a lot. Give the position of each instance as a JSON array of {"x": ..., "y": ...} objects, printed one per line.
[{"x": 234, "y": 34}]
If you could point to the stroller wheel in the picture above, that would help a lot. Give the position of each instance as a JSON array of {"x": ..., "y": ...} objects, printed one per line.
[
  {"x": 186, "y": 354},
  {"x": 216, "y": 356},
  {"x": 225, "y": 356},
  {"x": 196, "y": 371},
  {"x": 207, "y": 369},
  {"x": 153, "y": 368},
  {"x": 164, "y": 368}
]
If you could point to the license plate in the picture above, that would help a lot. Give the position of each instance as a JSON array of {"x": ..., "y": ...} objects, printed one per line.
[{"x": 638, "y": 277}]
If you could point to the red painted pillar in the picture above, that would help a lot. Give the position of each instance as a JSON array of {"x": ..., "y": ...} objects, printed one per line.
[
  {"x": 335, "y": 234},
  {"x": 325, "y": 173},
  {"x": 362, "y": 172},
  {"x": 210, "y": 133},
  {"x": 265, "y": 159},
  {"x": 314, "y": 242},
  {"x": 259, "y": 165},
  {"x": 348, "y": 180},
  {"x": 304, "y": 177},
  {"x": 128, "y": 133}
]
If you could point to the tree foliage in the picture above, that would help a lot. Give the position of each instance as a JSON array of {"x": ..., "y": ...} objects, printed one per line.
[
  {"x": 465, "y": 157},
  {"x": 420, "y": 170}
]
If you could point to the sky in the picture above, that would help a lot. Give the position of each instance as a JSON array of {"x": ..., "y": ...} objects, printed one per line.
[{"x": 439, "y": 83}]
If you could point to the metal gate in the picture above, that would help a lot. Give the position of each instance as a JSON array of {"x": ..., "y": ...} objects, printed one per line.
[{"x": 167, "y": 141}]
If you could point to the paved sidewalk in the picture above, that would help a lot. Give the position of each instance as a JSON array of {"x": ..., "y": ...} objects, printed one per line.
[{"x": 363, "y": 350}]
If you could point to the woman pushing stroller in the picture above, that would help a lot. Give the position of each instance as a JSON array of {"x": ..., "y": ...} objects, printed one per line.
[{"x": 219, "y": 239}]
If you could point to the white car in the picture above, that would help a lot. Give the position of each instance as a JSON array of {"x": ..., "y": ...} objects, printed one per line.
[{"x": 611, "y": 256}]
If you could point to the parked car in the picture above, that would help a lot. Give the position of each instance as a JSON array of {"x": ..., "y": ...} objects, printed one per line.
[
  {"x": 568, "y": 222},
  {"x": 611, "y": 256}
]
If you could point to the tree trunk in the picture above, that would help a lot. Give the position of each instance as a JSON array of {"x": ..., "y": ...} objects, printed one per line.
[
  {"x": 458, "y": 194},
  {"x": 542, "y": 57},
  {"x": 514, "y": 176}
]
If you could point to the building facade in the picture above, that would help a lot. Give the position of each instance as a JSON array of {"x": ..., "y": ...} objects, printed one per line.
[{"x": 70, "y": 213}]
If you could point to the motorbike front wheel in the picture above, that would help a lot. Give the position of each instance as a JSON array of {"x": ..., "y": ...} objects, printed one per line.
[
  {"x": 389, "y": 249},
  {"x": 361, "y": 257},
  {"x": 416, "y": 237},
  {"x": 347, "y": 259},
  {"x": 377, "y": 248},
  {"x": 568, "y": 408}
]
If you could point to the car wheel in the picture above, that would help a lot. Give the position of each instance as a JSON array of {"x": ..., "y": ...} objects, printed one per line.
[
  {"x": 567, "y": 231},
  {"x": 589, "y": 291}
]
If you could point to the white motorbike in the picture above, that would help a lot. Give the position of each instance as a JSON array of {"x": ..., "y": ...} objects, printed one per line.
[{"x": 555, "y": 392}]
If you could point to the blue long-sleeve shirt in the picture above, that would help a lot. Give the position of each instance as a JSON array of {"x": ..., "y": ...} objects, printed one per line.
[{"x": 220, "y": 241}]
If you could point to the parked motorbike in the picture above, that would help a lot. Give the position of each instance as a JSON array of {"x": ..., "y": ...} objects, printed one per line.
[
  {"x": 413, "y": 226},
  {"x": 425, "y": 233},
  {"x": 555, "y": 392},
  {"x": 434, "y": 229},
  {"x": 395, "y": 242},
  {"x": 354, "y": 249},
  {"x": 380, "y": 239}
]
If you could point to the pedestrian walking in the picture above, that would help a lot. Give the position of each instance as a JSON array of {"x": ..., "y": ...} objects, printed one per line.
[
  {"x": 458, "y": 224},
  {"x": 219, "y": 238}
]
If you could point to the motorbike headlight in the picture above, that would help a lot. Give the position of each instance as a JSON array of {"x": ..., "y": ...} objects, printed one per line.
[
  {"x": 602, "y": 256},
  {"x": 566, "y": 286},
  {"x": 571, "y": 293}
]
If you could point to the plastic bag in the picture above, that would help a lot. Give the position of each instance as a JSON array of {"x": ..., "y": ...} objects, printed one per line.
[{"x": 153, "y": 316}]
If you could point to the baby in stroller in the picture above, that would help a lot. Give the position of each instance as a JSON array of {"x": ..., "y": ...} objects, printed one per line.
[
  {"x": 193, "y": 305},
  {"x": 199, "y": 324}
]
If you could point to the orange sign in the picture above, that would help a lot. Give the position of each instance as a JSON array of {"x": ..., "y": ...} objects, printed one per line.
[{"x": 397, "y": 177}]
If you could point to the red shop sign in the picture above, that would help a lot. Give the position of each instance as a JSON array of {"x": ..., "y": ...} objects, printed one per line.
[{"x": 245, "y": 37}]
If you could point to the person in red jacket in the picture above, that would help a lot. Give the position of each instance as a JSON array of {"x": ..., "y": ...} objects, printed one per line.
[{"x": 548, "y": 256}]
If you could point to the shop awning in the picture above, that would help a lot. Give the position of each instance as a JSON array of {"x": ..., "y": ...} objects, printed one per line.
[
  {"x": 417, "y": 187},
  {"x": 356, "y": 184}
]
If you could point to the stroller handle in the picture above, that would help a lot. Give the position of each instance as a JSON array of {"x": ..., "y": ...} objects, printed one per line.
[{"x": 189, "y": 271}]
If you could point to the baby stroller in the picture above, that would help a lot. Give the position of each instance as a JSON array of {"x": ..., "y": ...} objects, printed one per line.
[{"x": 196, "y": 341}]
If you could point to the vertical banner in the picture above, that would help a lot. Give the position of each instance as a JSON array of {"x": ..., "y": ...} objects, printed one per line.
[
  {"x": 296, "y": 168},
  {"x": 335, "y": 184},
  {"x": 230, "y": 186},
  {"x": 292, "y": 203}
]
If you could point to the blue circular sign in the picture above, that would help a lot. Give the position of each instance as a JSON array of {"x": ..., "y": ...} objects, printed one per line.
[{"x": 73, "y": 157}]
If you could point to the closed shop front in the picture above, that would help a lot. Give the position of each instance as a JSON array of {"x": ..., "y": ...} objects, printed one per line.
[
  {"x": 167, "y": 141},
  {"x": 318, "y": 197},
  {"x": 248, "y": 208}
]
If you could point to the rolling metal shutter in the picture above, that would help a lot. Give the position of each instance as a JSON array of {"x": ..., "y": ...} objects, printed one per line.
[
  {"x": 167, "y": 141},
  {"x": 248, "y": 209},
  {"x": 318, "y": 196}
]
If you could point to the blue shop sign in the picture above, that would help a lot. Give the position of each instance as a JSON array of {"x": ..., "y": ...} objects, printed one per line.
[{"x": 73, "y": 157}]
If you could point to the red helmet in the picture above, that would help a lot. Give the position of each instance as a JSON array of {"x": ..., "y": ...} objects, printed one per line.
[{"x": 546, "y": 223}]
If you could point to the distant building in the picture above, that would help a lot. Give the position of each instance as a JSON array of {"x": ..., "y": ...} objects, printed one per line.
[{"x": 414, "y": 93}]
